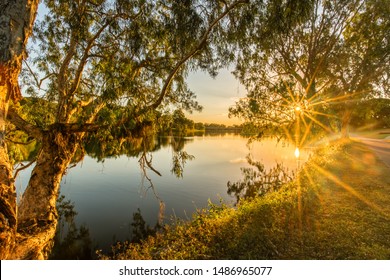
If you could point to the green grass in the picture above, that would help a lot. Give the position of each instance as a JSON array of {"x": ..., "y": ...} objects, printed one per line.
[{"x": 337, "y": 208}]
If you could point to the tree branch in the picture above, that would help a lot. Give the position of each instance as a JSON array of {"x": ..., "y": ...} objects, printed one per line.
[
  {"x": 23, "y": 167},
  {"x": 22, "y": 124},
  {"x": 198, "y": 47},
  {"x": 83, "y": 60}
]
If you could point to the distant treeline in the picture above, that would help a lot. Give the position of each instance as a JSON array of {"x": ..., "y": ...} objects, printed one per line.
[
  {"x": 214, "y": 126},
  {"x": 178, "y": 122}
]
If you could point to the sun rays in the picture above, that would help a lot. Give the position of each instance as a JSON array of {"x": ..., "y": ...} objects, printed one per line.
[
  {"x": 314, "y": 111},
  {"x": 345, "y": 185},
  {"x": 307, "y": 110},
  {"x": 330, "y": 202},
  {"x": 350, "y": 189}
]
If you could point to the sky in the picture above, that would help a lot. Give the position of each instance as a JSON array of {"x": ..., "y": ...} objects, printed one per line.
[{"x": 216, "y": 96}]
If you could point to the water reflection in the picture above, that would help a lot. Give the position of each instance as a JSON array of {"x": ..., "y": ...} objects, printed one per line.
[
  {"x": 71, "y": 241},
  {"x": 143, "y": 149},
  {"x": 258, "y": 180},
  {"x": 109, "y": 195},
  {"x": 140, "y": 229},
  {"x": 297, "y": 153},
  {"x": 74, "y": 242}
]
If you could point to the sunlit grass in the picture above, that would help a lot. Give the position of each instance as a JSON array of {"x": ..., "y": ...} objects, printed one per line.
[
  {"x": 349, "y": 188},
  {"x": 354, "y": 209}
]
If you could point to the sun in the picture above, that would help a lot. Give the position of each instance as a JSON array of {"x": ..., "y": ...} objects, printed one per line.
[{"x": 297, "y": 152}]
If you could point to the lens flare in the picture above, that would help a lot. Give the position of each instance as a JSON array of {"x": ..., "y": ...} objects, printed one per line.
[{"x": 297, "y": 152}]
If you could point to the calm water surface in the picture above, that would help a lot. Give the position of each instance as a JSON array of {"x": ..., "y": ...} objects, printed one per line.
[{"x": 106, "y": 194}]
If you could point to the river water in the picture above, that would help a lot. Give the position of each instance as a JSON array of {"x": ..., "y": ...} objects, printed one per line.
[{"x": 106, "y": 194}]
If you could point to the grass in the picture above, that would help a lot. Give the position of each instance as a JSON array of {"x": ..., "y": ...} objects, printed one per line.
[{"x": 337, "y": 208}]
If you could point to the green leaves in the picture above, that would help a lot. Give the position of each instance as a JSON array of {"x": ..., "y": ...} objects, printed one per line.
[
  {"x": 330, "y": 58},
  {"x": 135, "y": 55},
  {"x": 179, "y": 159}
]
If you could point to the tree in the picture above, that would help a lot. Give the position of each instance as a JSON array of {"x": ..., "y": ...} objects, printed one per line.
[
  {"x": 16, "y": 23},
  {"x": 108, "y": 67},
  {"x": 371, "y": 113},
  {"x": 359, "y": 67},
  {"x": 199, "y": 126},
  {"x": 180, "y": 123},
  {"x": 308, "y": 75}
]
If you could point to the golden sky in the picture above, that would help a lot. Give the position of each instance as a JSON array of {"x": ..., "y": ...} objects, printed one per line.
[{"x": 216, "y": 96}]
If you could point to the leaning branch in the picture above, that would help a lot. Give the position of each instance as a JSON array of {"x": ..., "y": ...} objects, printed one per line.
[
  {"x": 83, "y": 61},
  {"x": 198, "y": 47},
  {"x": 22, "y": 124},
  {"x": 24, "y": 167}
]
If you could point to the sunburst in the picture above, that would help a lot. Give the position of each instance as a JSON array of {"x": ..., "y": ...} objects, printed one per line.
[{"x": 306, "y": 112}]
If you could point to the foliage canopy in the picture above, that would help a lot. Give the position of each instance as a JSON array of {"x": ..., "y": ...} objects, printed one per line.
[{"x": 315, "y": 72}]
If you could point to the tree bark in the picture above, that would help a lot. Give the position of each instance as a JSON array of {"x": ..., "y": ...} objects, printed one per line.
[
  {"x": 345, "y": 120},
  {"x": 37, "y": 213},
  {"x": 16, "y": 23},
  {"x": 7, "y": 204}
]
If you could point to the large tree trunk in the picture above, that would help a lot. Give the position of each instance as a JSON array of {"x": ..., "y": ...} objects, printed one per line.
[
  {"x": 345, "y": 124},
  {"x": 7, "y": 204},
  {"x": 37, "y": 215},
  {"x": 16, "y": 21},
  {"x": 346, "y": 119},
  {"x": 7, "y": 188}
]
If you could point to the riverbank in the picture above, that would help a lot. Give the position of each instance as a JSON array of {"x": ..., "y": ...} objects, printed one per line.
[{"x": 337, "y": 208}]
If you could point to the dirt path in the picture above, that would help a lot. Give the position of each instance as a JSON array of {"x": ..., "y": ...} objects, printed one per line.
[{"x": 379, "y": 146}]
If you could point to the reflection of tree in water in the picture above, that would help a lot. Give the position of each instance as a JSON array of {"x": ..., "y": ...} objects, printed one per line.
[
  {"x": 257, "y": 180},
  {"x": 99, "y": 148},
  {"x": 179, "y": 156},
  {"x": 73, "y": 242},
  {"x": 140, "y": 229},
  {"x": 70, "y": 241},
  {"x": 141, "y": 147}
]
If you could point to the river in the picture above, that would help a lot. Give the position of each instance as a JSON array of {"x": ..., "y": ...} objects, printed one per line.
[{"x": 106, "y": 194}]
